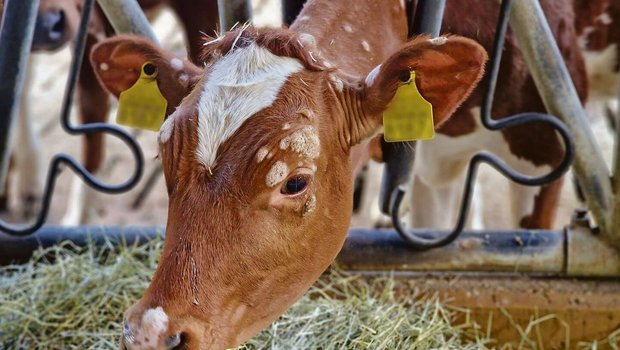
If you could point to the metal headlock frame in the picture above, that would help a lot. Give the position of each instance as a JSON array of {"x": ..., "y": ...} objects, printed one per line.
[
  {"x": 566, "y": 252},
  {"x": 14, "y": 16},
  {"x": 394, "y": 200}
]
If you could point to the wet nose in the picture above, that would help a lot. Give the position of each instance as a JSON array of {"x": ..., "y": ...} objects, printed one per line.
[
  {"x": 50, "y": 30},
  {"x": 133, "y": 339}
]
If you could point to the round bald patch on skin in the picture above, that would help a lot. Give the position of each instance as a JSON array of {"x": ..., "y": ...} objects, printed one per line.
[
  {"x": 277, "y": 173},
  {"x": 304, "y": 141}
]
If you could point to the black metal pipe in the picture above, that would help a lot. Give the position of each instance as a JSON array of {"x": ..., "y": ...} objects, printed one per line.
[
  {"x": 364, "y": 249},
  {"x": 15, "y": 250},
  {"x": 428, "y": 17},
  {"x": 61, "y": 159},
  {"x": 232, "y": 12},
  {"x": 16, "y": 33},
  {"x": 290, "y": 10}
]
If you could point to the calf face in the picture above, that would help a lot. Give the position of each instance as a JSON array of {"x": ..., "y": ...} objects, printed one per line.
[{"x": 257, "y": 168}]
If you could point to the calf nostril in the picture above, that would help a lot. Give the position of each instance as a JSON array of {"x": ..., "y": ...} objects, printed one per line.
[
  {"x": 57, "y": 25},
  {"x": 176, "y": 341}
]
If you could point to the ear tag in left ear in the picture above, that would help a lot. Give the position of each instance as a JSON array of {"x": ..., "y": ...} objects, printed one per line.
[
  {"x": 409, "y": 117},
  {"x": 142, "y": 105}
]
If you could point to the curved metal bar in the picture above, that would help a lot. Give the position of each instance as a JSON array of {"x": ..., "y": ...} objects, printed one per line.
[
  {"x": 422, "y": 242},
  {"x": 63, "y": 159}
]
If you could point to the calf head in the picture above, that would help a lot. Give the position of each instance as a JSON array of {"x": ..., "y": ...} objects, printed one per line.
[{"x": 257, "y": 168}]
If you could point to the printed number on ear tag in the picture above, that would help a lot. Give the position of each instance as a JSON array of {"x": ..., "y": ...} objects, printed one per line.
[
  {"x": 409, "y": 117},
  {"x": 142, "y": 105}
]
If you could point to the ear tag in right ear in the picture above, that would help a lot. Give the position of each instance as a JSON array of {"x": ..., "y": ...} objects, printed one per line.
[
  {"x": 142, "y": 105},
  {"x": 409, "y": 117}
]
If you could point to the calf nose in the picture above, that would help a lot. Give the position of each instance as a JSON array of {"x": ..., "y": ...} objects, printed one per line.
[
  {"x": 144, "y": 340},
  {"x": 50, "y": 30}
]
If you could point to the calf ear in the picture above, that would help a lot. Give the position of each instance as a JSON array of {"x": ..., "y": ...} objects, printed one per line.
[
  {"x": 118, "y": 61},
  {"x": 447, "y": 70}
]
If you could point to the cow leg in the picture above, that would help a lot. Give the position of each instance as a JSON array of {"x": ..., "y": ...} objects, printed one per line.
[
  {"x": 28, "y": 158},
  {"x": 84, "y": 203},
  {"x": 535, "y": 207},
  {"x": 198, "y": 17}
]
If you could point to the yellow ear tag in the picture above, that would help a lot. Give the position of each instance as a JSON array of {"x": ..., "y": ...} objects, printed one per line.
[
  {"x": 142, "y": 105},
  {"x": 409, "y": 117}
]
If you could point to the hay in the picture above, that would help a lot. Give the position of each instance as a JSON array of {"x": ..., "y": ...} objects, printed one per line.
[{"x": 77, "y": 300}]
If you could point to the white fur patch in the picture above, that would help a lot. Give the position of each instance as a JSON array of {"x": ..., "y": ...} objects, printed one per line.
[
  {"x": 304, "y": 141},
  {"x": 370, "y": 78},
  {"x": 337, "y": 82},
  {"x": 176, "y": 64},
  {"x": 154, "y": 323},
  {"x": 347, "y": 28},
  {"x": 307, "y": 40},
  {"x": 277, "y": 173},
  {"x": 604, "y": 19},
  {"x": 261, "y": 154},
  {"x": 365, "y": 45},
  {"x": 309, "y": 206},
  {"x": 440, "y": 40},
  {"x": 307, "y": 113},
  {"x": 602, "y": 77},
  {"x": 286, "y": 126},
  {"x": 166, "y": 129},
  {"x": 239, "y": 85}
]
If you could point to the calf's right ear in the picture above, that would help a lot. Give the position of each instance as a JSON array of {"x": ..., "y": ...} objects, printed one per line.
[{"x": 118, "y": 61}]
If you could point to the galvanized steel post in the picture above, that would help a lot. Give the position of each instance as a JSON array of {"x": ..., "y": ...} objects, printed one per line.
[
  {"x": 560, "y": 98},
  {"x": 15, "y": 40},
  {"x": 232, "y": 12},
  {"x": 127, "y": 17}
]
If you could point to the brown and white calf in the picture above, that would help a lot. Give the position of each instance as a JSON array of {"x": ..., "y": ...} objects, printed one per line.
[
  {"x": 256, "y": 157},
  {"x": 56, "y": 25},
  {"x": 532, "y": 149}
]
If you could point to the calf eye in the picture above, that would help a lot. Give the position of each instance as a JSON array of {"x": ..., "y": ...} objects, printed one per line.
[{"x": 295, "y": 185}]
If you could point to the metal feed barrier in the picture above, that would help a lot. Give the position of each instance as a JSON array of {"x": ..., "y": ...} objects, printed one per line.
[{"x": 577, "y": 250}]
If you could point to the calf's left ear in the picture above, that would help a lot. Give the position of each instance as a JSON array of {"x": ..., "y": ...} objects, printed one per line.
[{"x": 447, "y": 69}]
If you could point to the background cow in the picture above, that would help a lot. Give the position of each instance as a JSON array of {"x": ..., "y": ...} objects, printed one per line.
[{"x": 56, "y": 25}]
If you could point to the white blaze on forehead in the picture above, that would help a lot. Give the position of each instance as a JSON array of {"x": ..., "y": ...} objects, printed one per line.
[
  {"x": 238, "y": 86},
  {"x": 277, "y": 173},
  {"x": 304, "y": 141}
]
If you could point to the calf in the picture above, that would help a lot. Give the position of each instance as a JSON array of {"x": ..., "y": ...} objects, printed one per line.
[
  {"x": 256, "y": 158},
  {"x": 56, "y": 25},
  {"x": 533, "y": 148}
]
